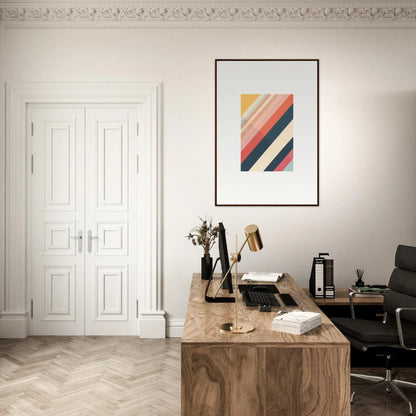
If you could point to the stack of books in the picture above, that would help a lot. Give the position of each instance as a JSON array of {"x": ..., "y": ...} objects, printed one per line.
[
  {"x": 296, "y": 322},
  {"x": 376, "y": 289},
  {"x": 262, "y": 277}
]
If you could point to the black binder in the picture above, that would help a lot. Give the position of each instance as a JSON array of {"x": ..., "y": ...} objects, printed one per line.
[
  {"x": 321, "y": 281},
  {"x": 329, "y": 278}
]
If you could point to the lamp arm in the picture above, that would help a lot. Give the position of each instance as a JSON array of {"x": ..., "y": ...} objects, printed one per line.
[{"x": 230, "y": 268}]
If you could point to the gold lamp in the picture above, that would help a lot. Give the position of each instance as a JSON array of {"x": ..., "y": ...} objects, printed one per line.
[{"x": 253, "y": 239}]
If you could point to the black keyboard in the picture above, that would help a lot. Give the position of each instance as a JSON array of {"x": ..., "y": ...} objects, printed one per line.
[
  {"x": 260, "y": 298},
  {"x": 287, "y": 299}
]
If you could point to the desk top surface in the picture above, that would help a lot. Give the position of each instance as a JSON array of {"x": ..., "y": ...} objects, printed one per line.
[{"x": 203, "y": 319}]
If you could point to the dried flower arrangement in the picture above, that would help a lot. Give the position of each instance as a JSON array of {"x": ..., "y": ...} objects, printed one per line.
[{"x": 204, "y": 235}]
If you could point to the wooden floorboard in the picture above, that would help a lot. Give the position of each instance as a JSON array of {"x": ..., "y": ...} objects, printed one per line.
[{"x": 121, "y": 376}]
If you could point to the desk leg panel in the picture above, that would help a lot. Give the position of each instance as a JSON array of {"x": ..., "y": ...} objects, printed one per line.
[
  {"x": 308, "y": 381},
  {"x": 283, "y": 386},
  {"x": 326, "y": 381},
  {"x": 222, "y": 380}
]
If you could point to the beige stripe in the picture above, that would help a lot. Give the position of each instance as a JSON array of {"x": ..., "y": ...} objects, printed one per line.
[{"x": 279, "y": 143}]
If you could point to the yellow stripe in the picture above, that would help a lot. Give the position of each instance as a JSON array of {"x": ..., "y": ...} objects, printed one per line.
[
  {"x": 274, "y": 149},
  {"x": 247, "y": 100}
]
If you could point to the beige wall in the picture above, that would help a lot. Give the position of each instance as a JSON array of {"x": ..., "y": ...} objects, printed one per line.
[{"x": 367, "y": 135}]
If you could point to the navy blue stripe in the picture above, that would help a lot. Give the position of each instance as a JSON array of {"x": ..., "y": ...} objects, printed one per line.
[
  {"x": 283, "y": 153},
  {"x": 267, "y": 140}
]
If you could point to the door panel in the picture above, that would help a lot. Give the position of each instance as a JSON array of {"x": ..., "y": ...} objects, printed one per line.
[
  {"x": 57, "y": 214},
  {"x": 111, "y": 261},
  {"x": 58, "y": 238},
  {"x": 112, "y": 293},
  {"x": 112, "y": 164},
  {"x": 112, "y": 239},
  {"x": 60, "y": 165},
  {"x": 60, "y": 297}
]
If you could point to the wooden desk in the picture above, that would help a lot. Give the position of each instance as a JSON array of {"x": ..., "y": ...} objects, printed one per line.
[{"x": 262, "y": 373}]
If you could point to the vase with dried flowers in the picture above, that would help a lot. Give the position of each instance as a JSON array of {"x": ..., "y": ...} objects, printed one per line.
[{"x": 204, "y": 235}]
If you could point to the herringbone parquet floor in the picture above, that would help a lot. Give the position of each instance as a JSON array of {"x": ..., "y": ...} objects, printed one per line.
[
  {"x": 89, "y": 376},
  {"x": 119, "y": 376}
]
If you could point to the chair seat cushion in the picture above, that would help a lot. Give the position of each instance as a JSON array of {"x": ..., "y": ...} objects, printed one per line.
[{"x": 368, "y": 331}]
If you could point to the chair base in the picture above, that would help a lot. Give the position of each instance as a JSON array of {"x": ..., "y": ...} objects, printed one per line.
[{"x": 390, "y": 381}]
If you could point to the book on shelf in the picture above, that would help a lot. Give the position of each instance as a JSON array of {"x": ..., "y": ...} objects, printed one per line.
[
  {"x": 371, "y": 289},
  {"x": 296, "y": 322}
]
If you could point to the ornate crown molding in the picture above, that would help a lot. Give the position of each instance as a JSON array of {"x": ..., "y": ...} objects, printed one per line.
[{"x": 208, "y": 13}]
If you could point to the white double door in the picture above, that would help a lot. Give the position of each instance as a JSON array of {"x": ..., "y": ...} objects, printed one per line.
[{"x": 82, "y": 222}]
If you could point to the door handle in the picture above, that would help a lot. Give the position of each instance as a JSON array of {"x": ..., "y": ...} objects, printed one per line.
[
  {"x": 90, "y": 237},
  {"x": 79, "y": 238}
]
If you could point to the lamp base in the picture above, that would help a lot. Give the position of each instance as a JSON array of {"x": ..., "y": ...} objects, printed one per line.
[{"x": 241, "y": 329}]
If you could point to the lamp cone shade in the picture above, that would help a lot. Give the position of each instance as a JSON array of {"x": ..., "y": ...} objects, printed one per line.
[{"x": 253, "y": 237}]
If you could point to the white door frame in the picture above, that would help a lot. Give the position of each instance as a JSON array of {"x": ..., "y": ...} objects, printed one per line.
[{"x": 14, "y": 317}]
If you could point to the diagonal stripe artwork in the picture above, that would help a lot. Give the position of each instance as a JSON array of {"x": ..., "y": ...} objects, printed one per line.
[{"x": 266, "y": 132}]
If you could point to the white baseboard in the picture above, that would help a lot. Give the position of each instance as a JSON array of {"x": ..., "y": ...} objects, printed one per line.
[
  {"x": 13, "y": 325},
  {"x": 175, "y": 328},
  {"x": 152, "y": 324}
]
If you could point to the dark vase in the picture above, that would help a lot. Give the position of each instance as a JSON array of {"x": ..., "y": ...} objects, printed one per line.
[
  {"x": 359, "y": 283},
  {"x": 206, "y": 267}
]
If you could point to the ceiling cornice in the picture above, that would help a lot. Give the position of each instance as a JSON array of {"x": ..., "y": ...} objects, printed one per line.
[{"x": 206, "y": 13}]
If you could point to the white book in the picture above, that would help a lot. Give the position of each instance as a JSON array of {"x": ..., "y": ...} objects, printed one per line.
[
  {"x": 296, "y": 322},
  {"x": 297, "y": 317},
  {"x": 295, "y": 331},
  {"x": 299, "y": 329},
  {"x": 262, "y": 277}
]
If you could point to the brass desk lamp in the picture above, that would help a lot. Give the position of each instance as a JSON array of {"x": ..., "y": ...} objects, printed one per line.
[{"x": 253, "y": 239}]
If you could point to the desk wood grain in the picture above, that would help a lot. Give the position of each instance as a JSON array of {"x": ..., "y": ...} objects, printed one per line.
[{"x": 265, "y": 372}]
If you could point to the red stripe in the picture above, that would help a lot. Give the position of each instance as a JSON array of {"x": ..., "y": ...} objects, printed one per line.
[
  {"x": 266, "y": 128},
  {"x": 283, "y": 164}
]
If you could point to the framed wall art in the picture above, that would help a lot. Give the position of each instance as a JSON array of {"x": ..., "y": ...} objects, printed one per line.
[{"x": 266, "y": 132}]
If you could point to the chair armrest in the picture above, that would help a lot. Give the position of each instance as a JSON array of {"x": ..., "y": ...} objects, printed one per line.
[
  {"x": 400, "y": 329},
  {"x": 351, "y": 295}
]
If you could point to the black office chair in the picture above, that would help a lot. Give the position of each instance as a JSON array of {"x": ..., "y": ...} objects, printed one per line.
[{"x": 398, "y": 329}]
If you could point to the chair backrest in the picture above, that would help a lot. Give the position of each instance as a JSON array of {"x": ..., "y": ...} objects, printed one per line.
[{"x": 402, "y": 284}]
